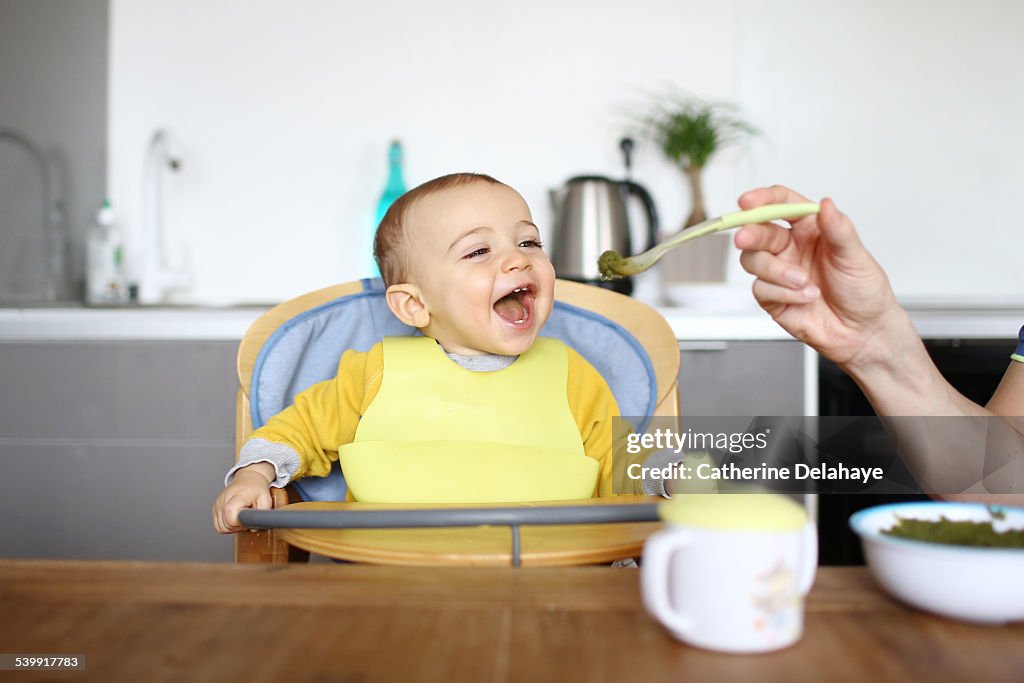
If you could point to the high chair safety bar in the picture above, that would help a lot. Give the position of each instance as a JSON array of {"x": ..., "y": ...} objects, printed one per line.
[{"x": 513, "y": 517}]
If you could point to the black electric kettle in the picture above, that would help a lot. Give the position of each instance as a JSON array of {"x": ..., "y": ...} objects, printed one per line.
[{"x": 591, "y": 218}]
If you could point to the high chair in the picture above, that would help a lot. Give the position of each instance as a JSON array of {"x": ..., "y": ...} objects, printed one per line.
[{"x": 299, "y": 343}]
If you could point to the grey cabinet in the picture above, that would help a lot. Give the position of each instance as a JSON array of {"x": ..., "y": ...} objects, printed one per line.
[
  {"x": 115, "y": 450},
  {"x": 741, "y": 378}
]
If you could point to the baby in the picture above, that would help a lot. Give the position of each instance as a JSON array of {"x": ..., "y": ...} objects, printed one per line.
[{"x": 463, "y": 263}]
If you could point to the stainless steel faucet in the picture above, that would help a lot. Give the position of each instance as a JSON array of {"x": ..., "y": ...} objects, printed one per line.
[{"x": 156, "y": 276}]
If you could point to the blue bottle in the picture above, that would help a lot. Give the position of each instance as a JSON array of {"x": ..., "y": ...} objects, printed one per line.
[{"x": 394, "y": 189}]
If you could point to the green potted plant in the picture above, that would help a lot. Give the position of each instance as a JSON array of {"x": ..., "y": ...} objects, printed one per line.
[{"x": 690, "y": 131}]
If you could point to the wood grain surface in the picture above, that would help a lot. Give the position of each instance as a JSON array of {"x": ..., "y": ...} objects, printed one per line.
[{"x": 208, "y": 622}]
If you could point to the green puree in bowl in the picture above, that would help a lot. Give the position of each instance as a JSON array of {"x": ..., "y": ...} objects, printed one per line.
[{"x": 956, "y": 533}]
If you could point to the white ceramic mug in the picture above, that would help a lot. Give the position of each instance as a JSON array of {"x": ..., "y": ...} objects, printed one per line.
[{"x": 731, "y": 576}]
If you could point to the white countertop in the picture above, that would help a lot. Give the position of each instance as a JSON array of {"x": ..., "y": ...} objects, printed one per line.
[
  {"x": 716, "y": 312},
  {"x": 698, "y": 313},
  {"x": 932, "y": 323},
  {"x": 143, "y": 323}
]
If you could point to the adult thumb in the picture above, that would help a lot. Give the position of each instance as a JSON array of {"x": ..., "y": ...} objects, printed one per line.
[{"x": 838, "y": 231}]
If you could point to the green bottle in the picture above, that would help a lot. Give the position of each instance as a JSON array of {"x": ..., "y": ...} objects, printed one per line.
[{"x": 394, "y": 189}]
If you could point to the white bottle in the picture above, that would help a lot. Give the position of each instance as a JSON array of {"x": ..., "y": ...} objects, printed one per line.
[{"x": 104, "y": 272}]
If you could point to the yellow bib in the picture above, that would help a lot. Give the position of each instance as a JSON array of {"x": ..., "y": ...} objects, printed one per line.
[{"x": 438, "y": 433}]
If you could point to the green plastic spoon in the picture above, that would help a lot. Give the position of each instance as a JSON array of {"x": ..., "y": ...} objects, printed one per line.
[{"x": 613, "y": 266}]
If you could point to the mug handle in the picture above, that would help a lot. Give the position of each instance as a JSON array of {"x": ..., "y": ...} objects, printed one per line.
[
  {"x": 659, "y": 551},
  {"x": 809, "y": 564}
]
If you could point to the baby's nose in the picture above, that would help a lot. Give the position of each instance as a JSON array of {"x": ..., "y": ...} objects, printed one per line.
[{"x": 515, "y": 260}]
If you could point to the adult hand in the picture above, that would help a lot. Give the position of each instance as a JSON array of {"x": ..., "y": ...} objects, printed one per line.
[{"x": 816, "y": 279}]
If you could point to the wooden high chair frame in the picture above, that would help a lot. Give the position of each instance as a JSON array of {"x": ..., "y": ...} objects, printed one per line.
[{"x": 642, "y": 321}]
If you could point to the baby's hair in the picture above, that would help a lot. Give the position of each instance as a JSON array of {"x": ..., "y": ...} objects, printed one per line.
[{"x": 390, "y": 244}]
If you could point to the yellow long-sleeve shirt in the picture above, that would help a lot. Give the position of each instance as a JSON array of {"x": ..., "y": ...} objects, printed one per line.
[{"x": 325, "y": 416}]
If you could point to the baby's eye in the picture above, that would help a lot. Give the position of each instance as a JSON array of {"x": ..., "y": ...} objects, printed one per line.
[
  {"x": 477, "y": 252},
  {"x": 531, "y": 243}
]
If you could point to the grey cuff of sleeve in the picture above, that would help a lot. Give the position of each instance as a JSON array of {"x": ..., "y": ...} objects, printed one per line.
[
  {"x": 284, "y": 459},
  {"x": 656, "y": 486}
]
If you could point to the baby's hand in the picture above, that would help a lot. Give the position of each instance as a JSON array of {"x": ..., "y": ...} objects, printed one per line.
[{"x": 250, "y": 488}]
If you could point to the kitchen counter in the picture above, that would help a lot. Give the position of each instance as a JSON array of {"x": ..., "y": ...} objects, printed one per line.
[
  {"x": 931, "y": 323},
  {"x": 172, "y": 323},
  {"x": 140, "y": 323},
  {"x": 695, "y": 313},
  {"x": 729, "y": 312}
]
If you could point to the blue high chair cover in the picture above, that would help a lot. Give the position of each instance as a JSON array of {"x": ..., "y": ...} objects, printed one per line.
[{"x": 306, "y": 350}]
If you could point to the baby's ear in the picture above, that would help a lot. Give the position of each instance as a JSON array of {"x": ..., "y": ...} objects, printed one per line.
[{"x": 406, "y": 302}]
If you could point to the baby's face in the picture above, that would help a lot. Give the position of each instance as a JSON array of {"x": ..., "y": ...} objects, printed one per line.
[{"x": 477, "y": 259}]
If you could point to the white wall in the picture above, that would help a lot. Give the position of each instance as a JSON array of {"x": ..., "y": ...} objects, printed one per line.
[
  {"x": 284, "y": 111},
  {"x": 909, "y": 115},
  {"x": 903, "y": 112}
]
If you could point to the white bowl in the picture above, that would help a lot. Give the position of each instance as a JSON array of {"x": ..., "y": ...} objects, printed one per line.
[{"x": 963, "y": 582}]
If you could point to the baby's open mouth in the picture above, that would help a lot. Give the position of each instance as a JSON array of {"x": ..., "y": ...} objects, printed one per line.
[{"x": 516, "y": 307}]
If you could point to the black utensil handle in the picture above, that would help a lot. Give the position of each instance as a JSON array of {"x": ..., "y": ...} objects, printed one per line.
[
  {"x": 626, "y": 145},
  {"x": 652, "y": 212}
]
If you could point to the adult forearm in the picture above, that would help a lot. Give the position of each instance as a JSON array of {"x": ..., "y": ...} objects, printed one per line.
[
  {"x": 899, "y": 378},
  {"x": 953, "y": 455},
  {"x": 950, "y": 444}
]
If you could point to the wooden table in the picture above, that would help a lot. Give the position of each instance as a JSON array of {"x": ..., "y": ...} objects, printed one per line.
[
  {"x": 210, "y": 622},
  {"x": 542, "y": 546}
]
